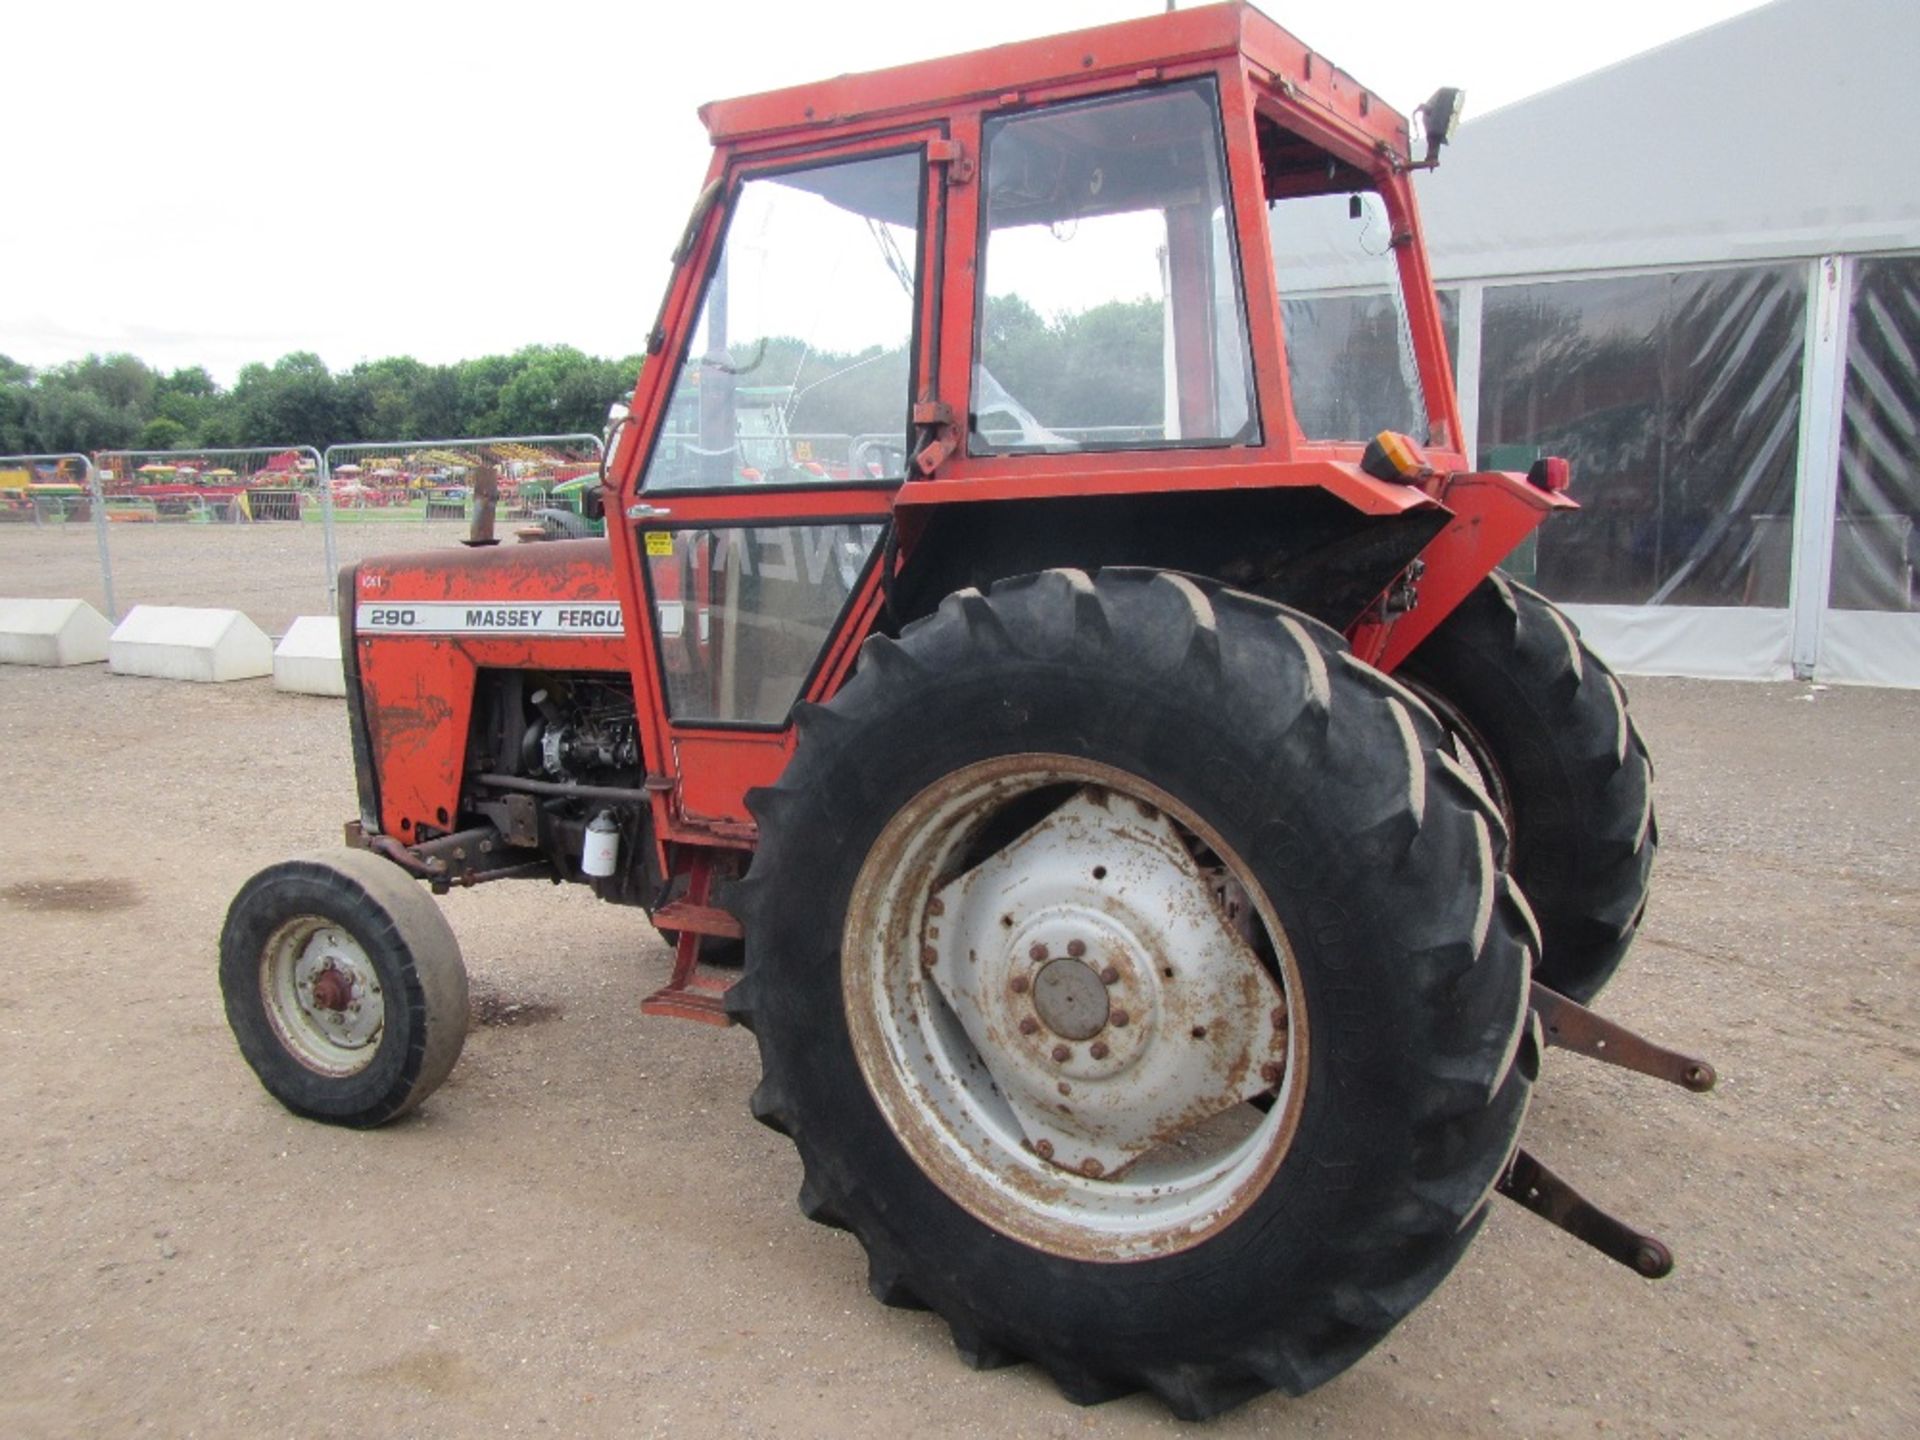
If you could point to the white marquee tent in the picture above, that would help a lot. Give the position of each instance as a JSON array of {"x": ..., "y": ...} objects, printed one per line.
[{"x": 1697, "y": 274}]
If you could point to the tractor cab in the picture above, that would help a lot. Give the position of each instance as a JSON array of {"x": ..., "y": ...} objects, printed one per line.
[{"x": 1114, "y": 307}]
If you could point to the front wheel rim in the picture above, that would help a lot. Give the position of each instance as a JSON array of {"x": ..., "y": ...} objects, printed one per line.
[
  {"x": 323, "y": 997},
  {"x": 1075, "y": 1007}
]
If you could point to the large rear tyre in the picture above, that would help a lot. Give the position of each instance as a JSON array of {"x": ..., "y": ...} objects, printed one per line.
[
  {"x": 1542, "y": 716},
  {"x": 344, "y": 987},
  {"x": 1138, "y": 984}
]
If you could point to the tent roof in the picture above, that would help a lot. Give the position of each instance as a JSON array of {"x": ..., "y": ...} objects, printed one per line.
[{"x": 1777, "y": 133}]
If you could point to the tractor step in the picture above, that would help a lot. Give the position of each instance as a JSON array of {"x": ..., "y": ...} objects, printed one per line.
[
  {"x": 689, "y": 995},
  {"x": 701, "y": 998},
  {"x": 685, "y": 917}
]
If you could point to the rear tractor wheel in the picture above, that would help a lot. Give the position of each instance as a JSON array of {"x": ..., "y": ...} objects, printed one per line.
[
  {"x": 1155, "y": 1011},
  {"x": 1546, "y": 724},
  {"x": 344, "y": 987}
]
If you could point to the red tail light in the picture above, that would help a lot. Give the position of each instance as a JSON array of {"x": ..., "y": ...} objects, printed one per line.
[{"x": 1550, "y": 473}]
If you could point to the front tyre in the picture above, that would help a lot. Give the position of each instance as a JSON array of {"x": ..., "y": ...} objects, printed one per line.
[
  {"x": 1546, "y": 723},
  {"x": 1138, "y": 983},
  {"x": 344, "y": 987}
]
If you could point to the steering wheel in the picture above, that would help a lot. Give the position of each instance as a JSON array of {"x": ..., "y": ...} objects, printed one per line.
[{"x": 889, "y": 456}]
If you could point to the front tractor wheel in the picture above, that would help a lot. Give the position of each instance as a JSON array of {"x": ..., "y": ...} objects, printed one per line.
[
  {"x": 1138, "y": 984},
  {"x": 344, "y": 987}
]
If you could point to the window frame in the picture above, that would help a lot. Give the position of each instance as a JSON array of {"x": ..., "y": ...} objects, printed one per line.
[
  {"x": 1401, "y": 296},
  {"x": 1253, "y": 432},
  {"x": 737, "y": 178},
  {"x": 878, "y": 516}
]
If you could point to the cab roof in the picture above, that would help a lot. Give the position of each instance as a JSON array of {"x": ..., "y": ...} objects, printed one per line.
[{"x": 1279, "y": 62}]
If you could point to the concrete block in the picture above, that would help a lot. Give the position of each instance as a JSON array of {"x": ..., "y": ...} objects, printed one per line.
[
  {"x": 176, "y": 643},
  {"x": 52, "y": 632},
  {"x": 307, "y": 659}
]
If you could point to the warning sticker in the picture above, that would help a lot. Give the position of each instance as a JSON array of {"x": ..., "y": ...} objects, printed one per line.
[{"x": 659, "y": 542}]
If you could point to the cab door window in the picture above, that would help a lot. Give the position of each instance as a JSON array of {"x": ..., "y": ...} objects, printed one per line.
[
  {"x": 743, "y": 612},
  {"x": 800, "y": 369}
]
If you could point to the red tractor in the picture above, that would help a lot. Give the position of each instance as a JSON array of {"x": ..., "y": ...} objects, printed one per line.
[{"x": 1161, "y": 839}]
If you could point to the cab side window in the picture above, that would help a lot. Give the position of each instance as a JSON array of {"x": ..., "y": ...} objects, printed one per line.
[{"x": 1111, "y": 309}]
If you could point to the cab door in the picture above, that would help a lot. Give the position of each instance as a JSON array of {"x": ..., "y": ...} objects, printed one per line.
[{"x": 772, "y": 449}]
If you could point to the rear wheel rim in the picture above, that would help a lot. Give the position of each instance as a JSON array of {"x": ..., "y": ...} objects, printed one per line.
[
  {"x": 1085, "y": 1028},
  {"x": 323, "y": 996},
  {"x": 1468, "y": 747}
]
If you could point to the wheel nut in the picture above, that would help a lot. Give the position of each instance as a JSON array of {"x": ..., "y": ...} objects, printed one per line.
[
  {"x": 1062, "y": 1054},
  {"x": 1076, "y": 948},
  {"x": 1271, "y": 1073},
  {"x": 1110, "y": 976},
  {"x": 1091, "y": 1168},
  {"x": 1118, "y": 1017},
  {"x": 1029, "y": 1025},
  {"x": 936, "y": 906},
  {"x": 1098, "y": 1050},
  {"x": 1044, "y": 1149},
  {"x": 1019, "y": 984},
  {"x": 1037, "y": 952}
]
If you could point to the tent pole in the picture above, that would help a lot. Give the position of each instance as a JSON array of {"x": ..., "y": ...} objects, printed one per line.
[{"x": 1822, "y": 391}]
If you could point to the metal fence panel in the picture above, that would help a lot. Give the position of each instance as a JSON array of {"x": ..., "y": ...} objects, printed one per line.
[
  {"x": 241, "y": 528},
  {"x": 44, "y": 501}
]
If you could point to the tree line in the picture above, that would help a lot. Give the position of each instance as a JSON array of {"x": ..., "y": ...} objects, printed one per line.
[
  {"x": 1097, "y": 367},
  {"x": 119, "y": 402}
]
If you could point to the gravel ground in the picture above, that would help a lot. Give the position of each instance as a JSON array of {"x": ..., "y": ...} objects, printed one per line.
[{"x": 584, "y": 1232}]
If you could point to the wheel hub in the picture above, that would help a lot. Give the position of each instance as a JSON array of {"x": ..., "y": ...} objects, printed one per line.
[
  {"x": 1113, "y": 1002},
  {"x": 323, "y": 996},
  {"x": 338, "y": 991},
  {"x": 331, "y": 989},
  {"x": 1070, "y": 999}
]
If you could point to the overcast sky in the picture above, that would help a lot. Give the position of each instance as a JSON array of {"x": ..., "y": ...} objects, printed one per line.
[{"x": 209, "y": 182}]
